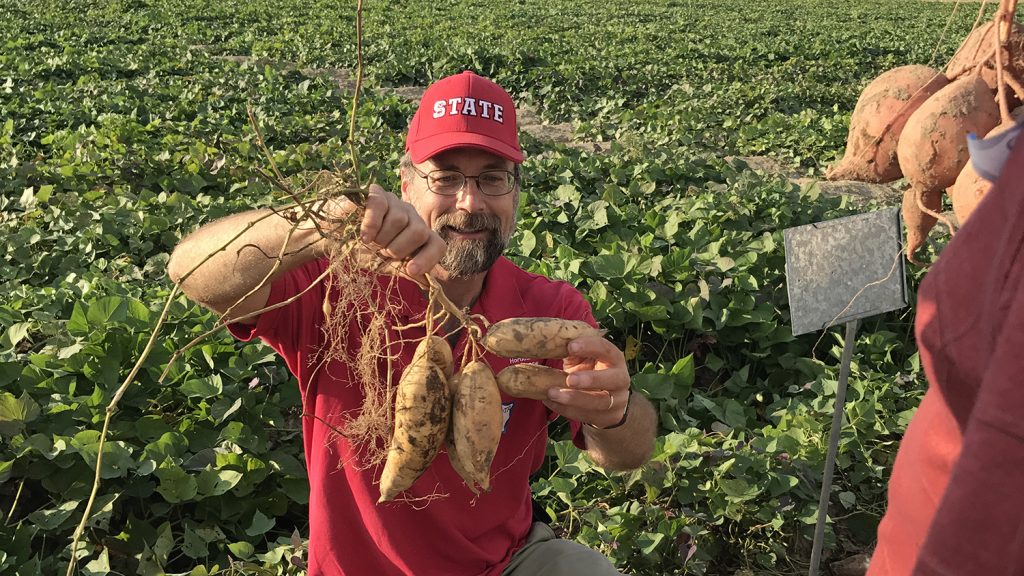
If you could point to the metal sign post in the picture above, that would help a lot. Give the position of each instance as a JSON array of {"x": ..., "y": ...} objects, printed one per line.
[{"x": 841, "y": 271}]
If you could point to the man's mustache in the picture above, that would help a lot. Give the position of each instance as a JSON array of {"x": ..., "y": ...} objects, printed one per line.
[{"x": 475, "y": 221}]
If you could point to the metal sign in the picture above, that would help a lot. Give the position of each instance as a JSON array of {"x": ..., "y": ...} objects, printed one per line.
[
  {"x": 844, "y": 269},
  {"x": 838, "y": 272}
]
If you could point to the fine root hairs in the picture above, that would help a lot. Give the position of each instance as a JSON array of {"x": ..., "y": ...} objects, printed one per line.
[{"x": 360, "y": 310}]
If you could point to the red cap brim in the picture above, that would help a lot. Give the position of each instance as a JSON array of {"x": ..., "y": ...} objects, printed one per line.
[{"x": 428, "y": 147}]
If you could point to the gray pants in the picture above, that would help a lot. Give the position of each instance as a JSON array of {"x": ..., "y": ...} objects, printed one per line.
[{"x": 545, "y": 555}]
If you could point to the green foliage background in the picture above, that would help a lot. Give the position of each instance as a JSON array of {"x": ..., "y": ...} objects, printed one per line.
[{"x": 122, "y": 129}]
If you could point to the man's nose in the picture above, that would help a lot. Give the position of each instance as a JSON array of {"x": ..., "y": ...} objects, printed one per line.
[{"x": 471, "y": 198}]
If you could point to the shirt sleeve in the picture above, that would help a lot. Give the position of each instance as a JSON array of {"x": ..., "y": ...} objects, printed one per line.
[
  {"x": 979, "y": 525},
  {"x": 292, "y": 329}
]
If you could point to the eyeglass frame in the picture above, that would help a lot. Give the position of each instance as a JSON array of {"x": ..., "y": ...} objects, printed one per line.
[{"x": 466, "y": 178}]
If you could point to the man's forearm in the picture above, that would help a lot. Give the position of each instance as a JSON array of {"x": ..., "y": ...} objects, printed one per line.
[
  {"x": 236, "y": 254},
  {"x": 628, "y": 446}
]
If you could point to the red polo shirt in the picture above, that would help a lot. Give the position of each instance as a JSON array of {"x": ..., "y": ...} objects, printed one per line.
[
  {"x": 449, "y": 535},
  {"x": 956, "y": 496}
]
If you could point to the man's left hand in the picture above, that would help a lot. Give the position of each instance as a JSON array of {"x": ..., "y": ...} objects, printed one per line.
[{"x": 597, "y": 387}]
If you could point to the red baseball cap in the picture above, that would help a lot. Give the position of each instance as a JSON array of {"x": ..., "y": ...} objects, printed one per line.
[{"x": 464, "y": 110}]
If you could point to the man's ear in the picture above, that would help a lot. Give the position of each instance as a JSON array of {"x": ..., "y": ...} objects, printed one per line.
[{"x": 405, "y": 185}]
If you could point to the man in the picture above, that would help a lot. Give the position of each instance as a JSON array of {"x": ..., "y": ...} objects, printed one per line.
[{"x": 460, "y": 189}]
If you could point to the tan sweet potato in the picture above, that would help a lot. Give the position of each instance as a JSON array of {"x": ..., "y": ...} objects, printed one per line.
[
  {"x": 917, "y": 222},
  {"x": 530, "y": 380},
  {"x": 458, "y": 465},
  {"x": 422, "y": 412},
  {"x": 878, "y": 119},
  {"x": 476, "y": 424},
  {"x": 970, "y": 188},
  {"x": 535, "y": 337},
  {"x": 933, "y": 146}
]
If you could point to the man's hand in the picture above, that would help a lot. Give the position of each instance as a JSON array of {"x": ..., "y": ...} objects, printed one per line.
[
  {"x": 597, "y": 386},
  {"x": 394, "y": 228}
]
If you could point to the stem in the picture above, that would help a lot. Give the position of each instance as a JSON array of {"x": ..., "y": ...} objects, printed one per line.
[
  {"x": 1004, "y": 107},
  {"x": 263, "y": 146},
  {"x": 918, "y": 194},
  {"x": 222, "y": 323},
  {"x": 111, "y": 408},
  {"x": 359, "y": 86},
  {"x": 17, "y": 496},
  {"x": 942, "y": 37}
]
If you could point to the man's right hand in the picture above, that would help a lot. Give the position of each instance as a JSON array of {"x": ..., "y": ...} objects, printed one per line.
[{"x": 394, "y": 228}]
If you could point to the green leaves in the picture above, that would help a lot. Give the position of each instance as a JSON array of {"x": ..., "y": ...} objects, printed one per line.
[
  {"x": 117, "y": 456},
  {"x": 260, "y": 524},
  {"x": 15, "y": 413},
  {"x": 176, "y": 485},
  {"x": 217, "y": 482}
]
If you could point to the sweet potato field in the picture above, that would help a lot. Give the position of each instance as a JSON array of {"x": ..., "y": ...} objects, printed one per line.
[{"x": 124, "y": 125}]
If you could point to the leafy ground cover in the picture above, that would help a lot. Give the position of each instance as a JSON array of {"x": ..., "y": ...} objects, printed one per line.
[{"x": 123, "y": 127}]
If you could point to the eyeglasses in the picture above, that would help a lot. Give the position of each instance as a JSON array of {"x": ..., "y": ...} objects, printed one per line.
[{"x": 451, "y": 182}]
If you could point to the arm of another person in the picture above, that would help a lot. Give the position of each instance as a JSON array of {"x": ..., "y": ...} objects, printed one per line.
[
  {"x": 979, "y": 525},
  {"x": 231, "y": 272},
  {"x": 598, "y": 393}
]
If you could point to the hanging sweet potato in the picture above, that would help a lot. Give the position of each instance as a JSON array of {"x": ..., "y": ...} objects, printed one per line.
[
  {"x": 476, "y": 424},
  {"x": 878, "y": 119},
  {"x": 918, "y": 223},
  {"x": 422, "y": 412},
  {"x": 970, "y": 187},
  {"x": 979, "y": 50},
  {"x": 932, "y": 149}
]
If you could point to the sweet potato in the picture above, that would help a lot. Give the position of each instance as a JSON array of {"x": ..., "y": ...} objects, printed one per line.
[
  {"x": 422, "y": 412},
  {"x": 530, "y": 380},
  {"x": 917, "y": 222},
  {"x": 476, "y": 424},
  {"x": 535, "y": 337},
  {"x": 461, "y": 468},
  {"x": 969, "y": 187},
  {"x": 933, "y": 146},
  {"x": 978, "y": 50},
  {"x": 967, "y": 192},
  {"x": 878, "y": 119}
]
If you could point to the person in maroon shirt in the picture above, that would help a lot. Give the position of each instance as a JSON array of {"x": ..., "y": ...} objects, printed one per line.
[
  {"x": 956, "y": 496},
  {"x": 460, "y": 190}
]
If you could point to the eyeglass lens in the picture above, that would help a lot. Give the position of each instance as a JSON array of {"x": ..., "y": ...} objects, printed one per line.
[{"x": 450, "y": 182}]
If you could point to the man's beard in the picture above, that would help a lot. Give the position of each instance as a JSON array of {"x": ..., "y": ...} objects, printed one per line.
[{"x": 465, "y": 258}]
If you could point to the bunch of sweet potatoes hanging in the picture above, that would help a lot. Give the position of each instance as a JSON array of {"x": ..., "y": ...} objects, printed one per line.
[
  {"x": 435, "y": 405},
  {"x": 913, "y": 122}
]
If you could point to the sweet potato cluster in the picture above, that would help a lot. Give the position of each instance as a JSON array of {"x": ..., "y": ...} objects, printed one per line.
[
  {"x": 434, "y": 405},
  {"x": 913, "y": 122}
]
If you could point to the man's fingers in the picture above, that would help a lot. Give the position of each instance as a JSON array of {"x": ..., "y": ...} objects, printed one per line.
[
  {"x": 597, "y": 348},
  {"x": 427, "y": 257},
  {"x": 406, "y": 242},
  {"x": 374, "y": 211},
  {"x": 397, "y": 222},
  {"x": 393, "y": 226},
  {"x": 580, "y": 399},
  {"x": 599, "y": 408},
  {"x": 596, "y": 380}
]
